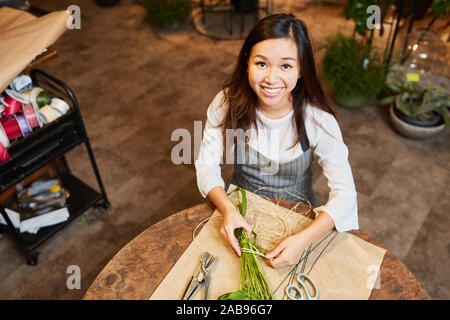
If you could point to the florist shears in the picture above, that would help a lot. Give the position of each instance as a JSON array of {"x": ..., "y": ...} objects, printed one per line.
[
  {"x": 202, "y": 277},
  {"x": 301, "y": 279}
]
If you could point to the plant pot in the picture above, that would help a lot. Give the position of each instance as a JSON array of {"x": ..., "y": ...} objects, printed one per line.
[
  {"x": 414, "y": 131},
  {"x": 245, "y": 6},
  {"x": 353, "y": 102},
  {"x": 434, "y": 120}
]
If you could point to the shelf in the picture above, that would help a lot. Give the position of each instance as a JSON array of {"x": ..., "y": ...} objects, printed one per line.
[
  {"x": 40, "y": 148},
  {"x": 32, "y": 153},
  {"x": 82, "y": 197}
]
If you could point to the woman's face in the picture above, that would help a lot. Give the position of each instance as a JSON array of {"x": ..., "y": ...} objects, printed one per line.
[{"x": 273, "y": 71}]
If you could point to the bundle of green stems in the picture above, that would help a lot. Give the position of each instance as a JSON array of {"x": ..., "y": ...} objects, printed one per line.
[{"x": 253, "y": 283}]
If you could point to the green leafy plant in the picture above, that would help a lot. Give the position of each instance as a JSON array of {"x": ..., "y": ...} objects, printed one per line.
[
  {"x": 253, "y": 283},
  {"x": 417, "y": 101},
  {"x": 167, "y": 13},
  {"x": 350, "y": 69},
  {"x": 440, "y": 8}
]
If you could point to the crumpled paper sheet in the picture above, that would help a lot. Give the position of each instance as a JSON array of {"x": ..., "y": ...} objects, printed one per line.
[
  {"x": 344, "y": 271},
  {"x": 23, "y": 37}
]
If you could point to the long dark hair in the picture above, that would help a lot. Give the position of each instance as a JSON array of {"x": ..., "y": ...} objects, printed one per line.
[{"x": 240, "y": 97}]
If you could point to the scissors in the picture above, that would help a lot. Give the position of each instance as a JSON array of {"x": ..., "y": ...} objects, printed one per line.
[
  {"x": 201, "y": 277},
  {"x": 302, "y": 285}
]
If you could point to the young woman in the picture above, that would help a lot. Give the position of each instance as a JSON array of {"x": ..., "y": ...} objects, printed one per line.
[{"x": 275, "y": 92}]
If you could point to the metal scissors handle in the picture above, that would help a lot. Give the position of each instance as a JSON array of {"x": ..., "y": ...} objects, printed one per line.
[
  {"x": 203, "y": 275},
  {"x": 302, "y": 285}
]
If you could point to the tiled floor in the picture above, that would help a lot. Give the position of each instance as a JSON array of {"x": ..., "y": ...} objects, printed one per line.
[{"x": 136, "y": 84}]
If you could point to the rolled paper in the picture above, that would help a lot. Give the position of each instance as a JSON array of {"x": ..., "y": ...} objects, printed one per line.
[
  {"x": 44, "y": 98},
  {"x": 23, "y": 125},
  {"x": 48, "y": 114},
  {"x": 30, "y": 116},
  {"x": 4, "y": 155},
  {"x": 11, "y": 128},
  {"x": 59, "y": 106},
  {"x": 21, "y": 83},
  {"x": 13, "y": 106}
]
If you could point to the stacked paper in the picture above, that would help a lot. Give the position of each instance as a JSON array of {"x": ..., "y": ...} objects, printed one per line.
[{"x": 33, "y": 225}]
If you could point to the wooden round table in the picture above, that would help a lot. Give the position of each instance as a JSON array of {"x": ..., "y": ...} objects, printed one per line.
[{"x": 138, "y": 268}]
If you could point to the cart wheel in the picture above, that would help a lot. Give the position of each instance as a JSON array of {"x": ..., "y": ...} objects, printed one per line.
[
  {"x": 103, "y": 207},
  {"x": 33, "y": 259}
]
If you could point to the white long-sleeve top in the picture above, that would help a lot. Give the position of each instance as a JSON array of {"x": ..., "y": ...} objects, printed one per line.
[{"x": 325, "y": 140}]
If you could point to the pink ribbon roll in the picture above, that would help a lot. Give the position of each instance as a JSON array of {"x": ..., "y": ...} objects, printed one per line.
[
  {"x": 4, "y": 155},
  {"x": 30, "y": 116},
  {"x": 11, "y": 128},
  {"x": 13, "y": 106}
]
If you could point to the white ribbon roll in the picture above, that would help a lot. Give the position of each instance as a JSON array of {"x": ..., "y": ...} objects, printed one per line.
[
  {"x": 21, "y": 83},
  {"x": 48, "y": 114},
  {"x": 3, "y": 137},
  {"x": 60, "y": 106},
  {"x": 18, "y": 96}
]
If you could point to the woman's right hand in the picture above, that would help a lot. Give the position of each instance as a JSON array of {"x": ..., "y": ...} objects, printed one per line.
[{"x": 233, "y": 220}]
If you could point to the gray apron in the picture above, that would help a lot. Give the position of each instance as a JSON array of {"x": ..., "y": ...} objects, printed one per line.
[{"x": 294, "y": 176}]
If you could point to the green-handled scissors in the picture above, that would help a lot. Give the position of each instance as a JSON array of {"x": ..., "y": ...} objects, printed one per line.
[{"x": 301, "y": 279}]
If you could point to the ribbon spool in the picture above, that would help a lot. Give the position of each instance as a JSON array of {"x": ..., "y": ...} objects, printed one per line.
[
  {"x": 4, "y": 143},
  {"x": 60, "y": 106},
  {"x": 30, "y": 116},
  {"x": 4, "y": 155},
  {"x": 48, "y": 114},
  {"x": 23, "y": 125},
  {"x": 11, "y": 128},
  {"x": 13, "y": 106},
  {"x": 32, "y": 97},
  {"x": 44, "y": 98},
  {"x": 21, "y": 97},
  {"x": 21, "y": 83},
  {"x": 3, "y": 138}
]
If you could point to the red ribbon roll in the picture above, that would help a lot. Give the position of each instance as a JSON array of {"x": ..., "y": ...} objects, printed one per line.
[
  {"x": 30, "y": 115},
  {"x": 13, "y": 107},
  {"x": 11, "y": 128},
  {"x": 4, "y": 155}
]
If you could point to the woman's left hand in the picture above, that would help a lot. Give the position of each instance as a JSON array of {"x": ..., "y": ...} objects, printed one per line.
[{"x": 288, "y": 252}]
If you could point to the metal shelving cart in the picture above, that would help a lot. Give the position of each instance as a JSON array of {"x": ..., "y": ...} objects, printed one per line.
[{"x": 42, "y": 147}]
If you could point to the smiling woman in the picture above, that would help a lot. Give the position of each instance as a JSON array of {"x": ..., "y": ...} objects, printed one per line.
[
  {"x": 273, "y": 77},
  {"x": 275, "y": 93}
]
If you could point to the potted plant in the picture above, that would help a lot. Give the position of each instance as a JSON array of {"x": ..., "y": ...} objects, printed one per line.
[
  {"x": 354, "y": 74},
  {"x": 417, "y": 111},
  {"x": 352, "y": 66},
  {"x": 168, "y": 13}
]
